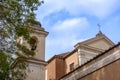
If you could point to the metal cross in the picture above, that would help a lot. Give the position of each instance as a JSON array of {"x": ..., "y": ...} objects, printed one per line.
[{"x": 99, "y": 27}]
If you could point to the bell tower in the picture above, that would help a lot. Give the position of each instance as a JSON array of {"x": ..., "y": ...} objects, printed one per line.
[
  {"x": 37, "y": 41},
  {"x": 36, "y": 63}
]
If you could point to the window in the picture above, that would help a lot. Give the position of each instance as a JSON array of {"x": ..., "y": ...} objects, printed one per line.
[{"x": 71, "y": 66}]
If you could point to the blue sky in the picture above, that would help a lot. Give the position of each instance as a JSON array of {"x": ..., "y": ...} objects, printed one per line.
[{"x": 69, "y": 22}]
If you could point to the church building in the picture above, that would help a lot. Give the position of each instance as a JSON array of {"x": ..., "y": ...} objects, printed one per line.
[{"x": 84, "y": 60}]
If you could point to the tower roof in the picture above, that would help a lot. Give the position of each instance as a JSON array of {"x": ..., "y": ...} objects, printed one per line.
[{"x": 37, "y": 26}]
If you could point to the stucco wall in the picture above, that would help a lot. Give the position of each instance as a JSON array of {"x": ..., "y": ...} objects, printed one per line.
[
  {"x": 60, "y": 68},
  {"x": 51, "y": 70},
  {"x": 36, "y": 72},
  {"x": 110, "y": 72},
  {"x": 72, "y": 58},
  {"x": 55, "y": 69}
]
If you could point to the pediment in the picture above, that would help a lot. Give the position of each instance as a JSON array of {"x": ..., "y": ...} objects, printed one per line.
[{"x": 100, "y": 42}]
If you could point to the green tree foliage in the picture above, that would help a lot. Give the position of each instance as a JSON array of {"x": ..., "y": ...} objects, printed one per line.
[
  {"x": 15, "y": 16},
  {"x": 4, "y": 65}
]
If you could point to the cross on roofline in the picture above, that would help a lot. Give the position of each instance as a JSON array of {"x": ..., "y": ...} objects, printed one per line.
[{"x": 99, "y": 27}]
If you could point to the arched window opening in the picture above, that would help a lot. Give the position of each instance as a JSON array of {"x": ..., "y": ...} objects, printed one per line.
[{"x": 33, "y": 43}]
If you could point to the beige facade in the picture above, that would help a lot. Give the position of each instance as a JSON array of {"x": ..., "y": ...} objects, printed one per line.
[
  {"x": 104, "y": 66},
  {"x": 40, "y": 49},
  {"x": 86, "y": 50},
  {"x": 73, "y": 59},
  {"x": 36, "y": 72},
  {"x": 83, "y": 52},
  {"x": 36, "y": 69}
]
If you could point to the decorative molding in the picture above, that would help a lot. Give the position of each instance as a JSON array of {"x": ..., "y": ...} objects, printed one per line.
[{"x": 89, "y": 52}]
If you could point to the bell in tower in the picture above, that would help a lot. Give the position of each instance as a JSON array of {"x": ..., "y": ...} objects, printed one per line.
[{"x": 33, "y": 43}]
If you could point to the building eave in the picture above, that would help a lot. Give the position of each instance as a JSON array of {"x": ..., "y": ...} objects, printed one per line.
[{"x": 29, "y": 60}]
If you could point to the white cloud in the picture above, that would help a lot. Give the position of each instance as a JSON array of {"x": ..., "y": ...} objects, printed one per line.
[
  {"x": 67, "y": 24},
  {"x": 98, "y": 8},
  {"x": 50, "y": 6},
  {"x": 71, "y": 24}
]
